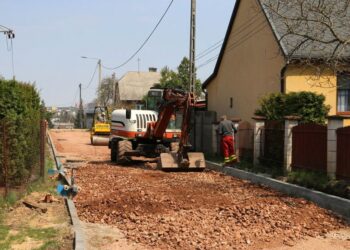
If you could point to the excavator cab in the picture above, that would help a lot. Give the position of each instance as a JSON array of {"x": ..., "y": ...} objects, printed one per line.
[
  {"x": 101, "y": 128},
  {"x": 162, "y": 133}
]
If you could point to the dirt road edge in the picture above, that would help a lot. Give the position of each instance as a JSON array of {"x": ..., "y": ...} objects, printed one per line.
[{"x": 79, "y": 236}]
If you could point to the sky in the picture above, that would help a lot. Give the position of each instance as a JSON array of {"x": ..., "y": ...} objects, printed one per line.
[{"x": 51, "y": 37}]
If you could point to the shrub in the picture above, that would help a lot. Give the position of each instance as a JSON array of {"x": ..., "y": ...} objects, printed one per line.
[
  {"x": 309, "y": 179},
  {"x": 320, "y": 181},
  {"x": 308, "y": 105},
  {"x": 20, "y": 111}
]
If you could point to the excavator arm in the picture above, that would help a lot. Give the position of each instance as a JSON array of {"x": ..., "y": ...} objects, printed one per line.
[{"x": 174, "y": 99}]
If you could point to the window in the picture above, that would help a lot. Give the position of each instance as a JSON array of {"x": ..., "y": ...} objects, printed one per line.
[
  {"x": 138, "y": 120},
  {"x": 343, "y": 93},
  {"x": 144, "y": 121}
]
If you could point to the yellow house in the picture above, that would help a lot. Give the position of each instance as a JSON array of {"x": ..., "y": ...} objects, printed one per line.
[{"x": 262, "y": 54}]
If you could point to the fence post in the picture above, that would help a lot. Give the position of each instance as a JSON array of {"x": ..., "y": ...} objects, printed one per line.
[
  {"x": 5, "y": 155},
  {"x": 236, "y": 122},
  {"x": 43, "y": 125},
  {"x": 215, "y": 139},
  {"x": 289, "y": 124},
  {"x": 259, "y": 123},
  {"x": 334, "y": 122}
]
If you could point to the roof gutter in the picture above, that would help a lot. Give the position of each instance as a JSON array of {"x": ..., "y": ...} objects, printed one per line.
[{"x": 283, "y": 77}]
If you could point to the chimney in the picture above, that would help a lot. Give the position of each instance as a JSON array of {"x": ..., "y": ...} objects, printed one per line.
[{"x": 152, "y": 69}]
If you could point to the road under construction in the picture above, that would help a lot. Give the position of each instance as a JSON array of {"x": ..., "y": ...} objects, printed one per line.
[{"x": 153, "y": 209}]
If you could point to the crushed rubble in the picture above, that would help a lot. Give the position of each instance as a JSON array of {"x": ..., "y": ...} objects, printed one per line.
[{"x": 191, "y": 210}]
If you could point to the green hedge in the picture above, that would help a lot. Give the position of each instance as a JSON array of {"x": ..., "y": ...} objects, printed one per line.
[
  {"x": 308, "y": 105},
  {"x": 20, "y": 108}
]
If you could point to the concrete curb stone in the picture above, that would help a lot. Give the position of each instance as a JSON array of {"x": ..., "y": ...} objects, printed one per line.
[
  {"x": 79, "y": 236},
  {"x": 336, "y": 204}
]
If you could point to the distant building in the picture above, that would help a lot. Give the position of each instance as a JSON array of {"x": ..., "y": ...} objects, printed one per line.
[
  {"x": 51, "y": 109},
  {"x": 63, "y": 117},
  {"x": 89, "y": 114},
  {"x": 133, "y": 86}
]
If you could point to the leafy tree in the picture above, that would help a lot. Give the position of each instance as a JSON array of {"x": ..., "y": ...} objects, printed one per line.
[
  {"x": 47, "y": 115},
  {"x": 79, "y": 121},
  {"x": 308, "y": 105},
  {"x": 179, "y": 79}
]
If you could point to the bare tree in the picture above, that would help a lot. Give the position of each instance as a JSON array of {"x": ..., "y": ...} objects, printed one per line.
[
  {"x": 105, "y": 92},
  {"x": 313, "y": 31}
]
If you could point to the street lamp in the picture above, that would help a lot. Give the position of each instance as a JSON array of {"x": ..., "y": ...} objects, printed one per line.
[{"x": 99, "y": 68}]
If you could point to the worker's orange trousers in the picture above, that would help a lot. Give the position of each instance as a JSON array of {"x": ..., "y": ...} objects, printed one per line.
[{"x": 227, "y": 146}]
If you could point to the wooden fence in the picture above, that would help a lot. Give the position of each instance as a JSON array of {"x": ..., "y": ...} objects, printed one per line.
[
  {"x": 343, "y": 153},
  {"x": 309, "y": 150}
]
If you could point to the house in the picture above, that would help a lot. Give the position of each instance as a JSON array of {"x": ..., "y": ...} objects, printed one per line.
[
  {"x": 133, "y": 86},
  {"x": 268, "y": 48}
]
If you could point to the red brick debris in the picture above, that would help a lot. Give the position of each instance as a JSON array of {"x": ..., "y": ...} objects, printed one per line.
[{"x": 195, "y": 210}]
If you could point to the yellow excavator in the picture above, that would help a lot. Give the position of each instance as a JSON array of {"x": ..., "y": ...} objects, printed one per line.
[{"x": 101, "y": 128}]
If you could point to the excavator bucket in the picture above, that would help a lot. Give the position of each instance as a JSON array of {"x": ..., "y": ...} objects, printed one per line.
[{"x": 169, "y": 161}]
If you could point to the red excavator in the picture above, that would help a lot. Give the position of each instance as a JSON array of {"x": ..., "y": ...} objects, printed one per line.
[{"x": 173, "y": 151}]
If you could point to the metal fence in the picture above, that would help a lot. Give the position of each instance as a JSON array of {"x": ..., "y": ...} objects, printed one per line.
[
  {"x": 272, "y": 149},
  {"x": 245, "y": 143}
]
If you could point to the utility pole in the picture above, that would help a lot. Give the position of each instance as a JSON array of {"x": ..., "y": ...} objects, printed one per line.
[
  {"x": 10, "y": 35},
  {"x": 115, "y": 89},
  {"x": 81, "y": 111},
  {"x": 99, "y": 73},
  {"x": 193, "y": 46},
  {"x": 138, "y": 64}
]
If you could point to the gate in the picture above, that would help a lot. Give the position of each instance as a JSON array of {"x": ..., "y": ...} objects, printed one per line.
[
  {"x": 309, "y": 150},
  {"x": 272, "y": 138},
  {"x": 343, "y": 153}
]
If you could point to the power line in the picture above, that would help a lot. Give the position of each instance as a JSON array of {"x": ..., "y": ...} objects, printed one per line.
[
  {"x": 12, "y": 60},
  {"x": 9, "y": 34},
  {"x": 5, "y": 27},
  {"x": 92, "y": 78},
  {"x": 247, "y": 36},
  {"x": 214, "y": 45},
  {"x": 235, "y": 44},
  {"x": 209, "y": 51},
  {"x": 218, "y": 44},
  {"x": 207, "y": 62},
  {"x": 144, "y": 43}
]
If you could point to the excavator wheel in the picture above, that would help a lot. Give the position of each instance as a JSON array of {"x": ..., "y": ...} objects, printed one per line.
[
  {"x": 113, "y": 151},
  {"x": 123, "y": 146}
]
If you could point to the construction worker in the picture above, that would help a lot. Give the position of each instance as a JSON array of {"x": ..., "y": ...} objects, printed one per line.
[{"x": 227, "y": 130}]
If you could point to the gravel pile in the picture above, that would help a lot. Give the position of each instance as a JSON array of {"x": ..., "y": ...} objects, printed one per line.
[{"x": 195, "y": 210}]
